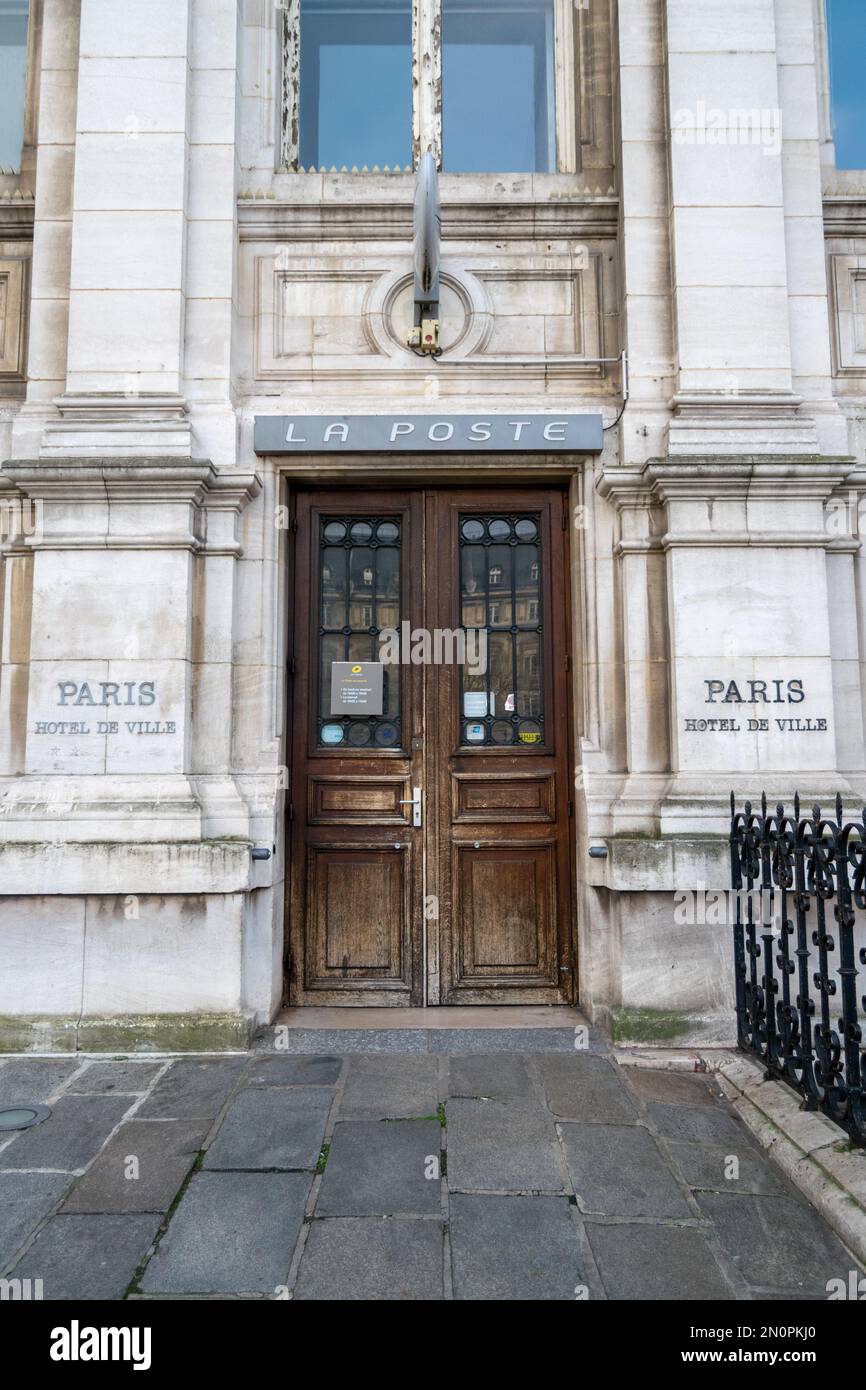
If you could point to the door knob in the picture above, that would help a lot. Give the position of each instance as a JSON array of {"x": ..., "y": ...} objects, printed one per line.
[{"x": 415, "y": 802}]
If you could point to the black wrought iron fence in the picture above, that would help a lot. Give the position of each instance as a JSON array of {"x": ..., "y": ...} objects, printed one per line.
[{"x": 799, "y": 908}]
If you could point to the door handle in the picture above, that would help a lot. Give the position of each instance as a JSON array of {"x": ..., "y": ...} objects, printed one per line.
[{"x": 415, "y": 802}]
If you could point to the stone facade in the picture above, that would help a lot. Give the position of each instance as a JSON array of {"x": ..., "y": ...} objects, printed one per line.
[{"x": 166, "y": 277}]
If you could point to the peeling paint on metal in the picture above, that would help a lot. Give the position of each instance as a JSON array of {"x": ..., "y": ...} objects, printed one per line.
[{"x": 290, "y": 50}]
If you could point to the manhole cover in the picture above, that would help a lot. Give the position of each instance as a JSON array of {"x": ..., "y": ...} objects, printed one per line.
[{"x": 22, "y": 1116}]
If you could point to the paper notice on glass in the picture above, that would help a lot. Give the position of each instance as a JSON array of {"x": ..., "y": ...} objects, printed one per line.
[{"x": 475, "y": 704}]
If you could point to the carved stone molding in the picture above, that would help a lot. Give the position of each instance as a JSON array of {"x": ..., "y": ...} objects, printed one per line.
[
  {"x": 140, "y": 504},
  {"x": 14, "y": 296},
  {"x": 506, "y": 315},
  {"x": 848, "y": 318}
]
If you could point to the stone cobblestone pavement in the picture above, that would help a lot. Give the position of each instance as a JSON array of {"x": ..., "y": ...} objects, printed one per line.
[{"x": 455, "y": 1174}]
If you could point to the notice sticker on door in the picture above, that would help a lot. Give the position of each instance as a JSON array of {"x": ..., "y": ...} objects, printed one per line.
[
  {"x": 356, "y": 687},
  {"x": 475, "y": 704},
  {"x": 474, "y": 733}
]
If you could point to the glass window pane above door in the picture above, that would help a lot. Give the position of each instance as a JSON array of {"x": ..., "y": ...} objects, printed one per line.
[
  {"x": 355, "y": 83},
  {"x": 498, "y": 103},
  {"x": 13, "y": 71}
]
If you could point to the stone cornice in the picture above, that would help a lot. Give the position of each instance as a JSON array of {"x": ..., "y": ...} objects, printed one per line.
[
  {"x": 81, "y": 498},
  {"x": 16, "y": 216},
  {"x": 751, "y": 483},
  {"x": 522, "y": 220},
  {"x": 724, "y": 477},
  {"x": 845, "y": 214}
]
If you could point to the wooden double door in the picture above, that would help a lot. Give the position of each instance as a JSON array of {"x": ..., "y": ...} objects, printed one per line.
[{"x": 430, "y": 830}]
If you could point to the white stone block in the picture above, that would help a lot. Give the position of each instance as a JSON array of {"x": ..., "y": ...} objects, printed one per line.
[
  {"x": 644, "y": 179},
  {"x": 180, "y": 954},
  {"x": 214, "y": 41},
  {"x": 128, "y": 251},
  {"x": 728, "y": 83},
  {"x": 729, "y": 246},
  {"x": 54, "y": 185},
  {"x": 210, "y": 258},
  {"x": 720, "y": 26},
  {"x": 41, "y": 944},
  {"x": 810, "y": 342},
  {"x": 213, "y": 96},
  {"x": 733, "y": 328},
  {"x": 211, "y": 171},
  {"x": 207, "y": 339},
  {"x": 58, "y": 100},
  {"x": 147, "y": 171},
  {"x": 795, "y": 32},
  {"x": 646, "y": 256},
  {"x": 90, "y": 604},
  {"x": 804, "y": 251},
  {"x": 133, "y": 95},
  {"x": 130, "y": 29},
  {"x": 801, "y": 173},
  {"x": 798, "y": 94},
  {"x": 742, "y": 175},
  {"x": 60, "y": 34},
  {"x": 52, "y": 243},
  {"x": 63, "y": 735},
  {"x": 148, "y": 738},
  {"x": 639, "y": 33},
  {"x": 642, "y": 108},
  {"x": 749, "y": 735},
  {"x": 117, "y": 331}
]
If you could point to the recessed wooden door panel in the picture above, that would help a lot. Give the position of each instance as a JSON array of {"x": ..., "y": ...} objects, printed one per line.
[
  {"x": 506, "y": 928},
  {"x": 372, "y": 800},
  {"x": 359, "y": 916},
  {"x": 487, "y": 799},
  {"x": 471, "y": 902}
]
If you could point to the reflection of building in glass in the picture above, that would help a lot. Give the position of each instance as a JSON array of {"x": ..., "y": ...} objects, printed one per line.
[
  {"x": 359, "y": 596},
  {"x": 500, "y": 592}
]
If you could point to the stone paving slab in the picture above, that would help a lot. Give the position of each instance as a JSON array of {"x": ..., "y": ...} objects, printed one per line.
[
  {"x": 25, "y": 1198},
  {"x": 272, "y": 1129},
  {"x": 521, "y": 1248},
  {"x": 346, "y": 1041},
  {"x": 618, "y": 1170},
  {"x": 699, "y": 1124},
  {"x": 705, "y": 1167},
  {"x": 490, "y": 1078},
  {"x": 586, "y": 1088},
  {"x": 164, "y": 1151},
  {"x": 379, "y": 1168},
  {"x": 369, "y": 1258},
  {"x": 489, "y": 1040},
  {"x": 672, "y": 1087},
  {"x": 115, "y": 1078},
  {"x": 73, "y": 1134},
  {"x": 24, "y": 1080},
  {"x": 193, "y": 1090},
  {"x": 294, "y": 1071},
  {"x": 390, "y": 1088},
  {"x": 509, "y": 1040},
  {"x": 231, "y": 1233},
  {"x": 656, "y": 1262},
  {"x": 501, "y": 1146},
  {"x": 88, "y": 1257},
  {"x": 777, "y": 1242}
]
